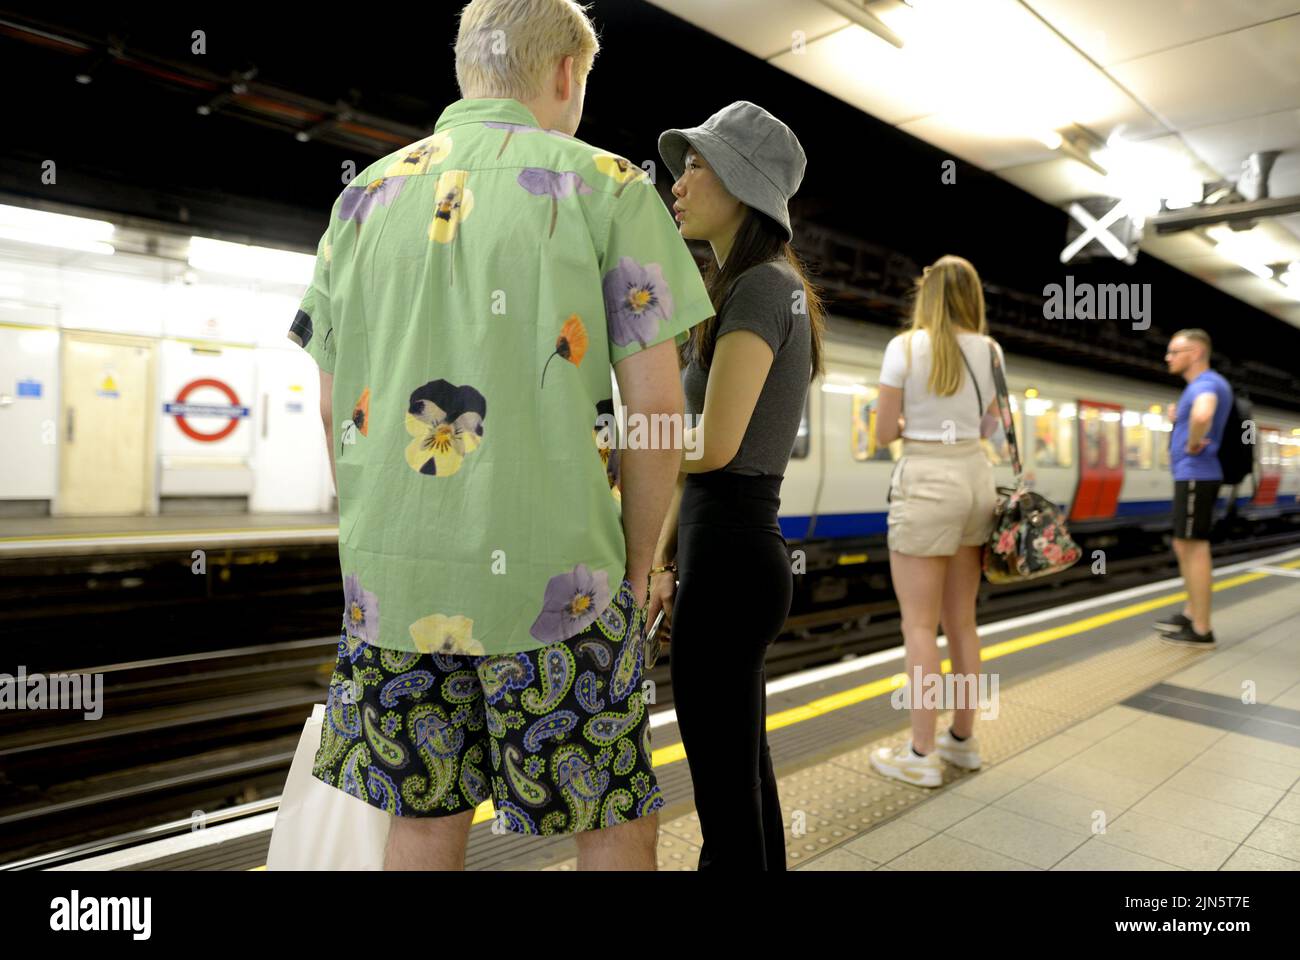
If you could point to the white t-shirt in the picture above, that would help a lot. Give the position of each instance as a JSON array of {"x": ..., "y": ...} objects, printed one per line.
[{"x": 925, "y": 415}]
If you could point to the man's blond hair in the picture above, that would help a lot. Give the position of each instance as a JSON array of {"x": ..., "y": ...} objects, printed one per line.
[
  {"x": 1196, "y": 335},
  {"x": 506, "y": 48}
]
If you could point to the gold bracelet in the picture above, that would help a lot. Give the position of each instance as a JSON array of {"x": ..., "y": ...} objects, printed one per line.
[{"x": 671, "y": 565}]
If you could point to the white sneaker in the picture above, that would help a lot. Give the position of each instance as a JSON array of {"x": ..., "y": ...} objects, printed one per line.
[
  {"x": 960, "y": 753},
  {"x": 902, "y": 764}
]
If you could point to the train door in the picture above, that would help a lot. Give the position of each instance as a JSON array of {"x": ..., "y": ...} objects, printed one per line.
[
  {"x": 1269, "y": 467},
  {"x": 1101, "y": 460},
  {"x": 290, "y": 463},
  {"x": 105, "y": 429}
]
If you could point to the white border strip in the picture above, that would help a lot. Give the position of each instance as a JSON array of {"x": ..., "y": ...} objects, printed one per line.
[
  {"x": 182, "y": 538},
  {"x": 170, "y": 846}
]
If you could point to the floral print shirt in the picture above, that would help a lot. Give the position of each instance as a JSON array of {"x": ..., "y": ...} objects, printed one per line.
[{"x": 471, "y": 293}]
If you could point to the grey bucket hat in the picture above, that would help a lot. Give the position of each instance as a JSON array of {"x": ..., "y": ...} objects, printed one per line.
[{"x": 756, "y": 156}]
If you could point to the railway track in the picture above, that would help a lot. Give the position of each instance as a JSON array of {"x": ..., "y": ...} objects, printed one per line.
[{"x": 189, "y": 735}]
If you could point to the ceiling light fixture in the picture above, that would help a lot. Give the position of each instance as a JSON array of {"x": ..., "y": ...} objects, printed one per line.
[
  {"x": 56, "y": 230},
  {"x": 258, "y": 263},
  {"x": 1245, "y": 249}
]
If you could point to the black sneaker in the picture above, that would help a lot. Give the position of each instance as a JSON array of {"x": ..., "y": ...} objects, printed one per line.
[
  {"x": 1175, "y": 623},
  {"x": 1187, "y": 637}
]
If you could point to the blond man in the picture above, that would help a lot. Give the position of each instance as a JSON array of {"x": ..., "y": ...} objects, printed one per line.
[{"x": 472, "y": 293}]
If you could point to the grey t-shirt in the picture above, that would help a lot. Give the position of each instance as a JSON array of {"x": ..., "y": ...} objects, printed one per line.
[{"x": 763, "y": 300}]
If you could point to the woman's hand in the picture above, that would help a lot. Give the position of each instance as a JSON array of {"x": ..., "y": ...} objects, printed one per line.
[{"x": 663, "y": 588}]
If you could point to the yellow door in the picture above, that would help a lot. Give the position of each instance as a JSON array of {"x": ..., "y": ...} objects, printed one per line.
[{"x": 105, "y": 428}]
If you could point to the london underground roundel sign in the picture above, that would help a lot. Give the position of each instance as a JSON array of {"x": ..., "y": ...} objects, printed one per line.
[{"x": 181, "y": 408}]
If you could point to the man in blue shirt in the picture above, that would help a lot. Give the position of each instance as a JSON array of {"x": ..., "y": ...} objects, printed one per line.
[{"x": 1199, "y": 424}]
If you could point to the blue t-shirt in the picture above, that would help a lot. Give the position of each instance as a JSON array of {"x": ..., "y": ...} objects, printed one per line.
[{"x": 1204, "y": 465}]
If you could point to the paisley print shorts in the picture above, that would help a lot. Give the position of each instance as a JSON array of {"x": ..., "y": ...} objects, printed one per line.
[{"x": 558, "y": 737}]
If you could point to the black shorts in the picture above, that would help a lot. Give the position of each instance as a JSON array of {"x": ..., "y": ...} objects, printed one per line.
[
  {"x": 558, "y": 737},
  {"x": 1194, "y": 508}
]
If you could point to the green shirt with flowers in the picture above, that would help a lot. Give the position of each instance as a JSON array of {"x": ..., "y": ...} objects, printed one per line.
[{"x": 470, "y": 295}]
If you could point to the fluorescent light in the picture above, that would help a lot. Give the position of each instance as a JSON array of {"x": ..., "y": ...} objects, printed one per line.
[
  {"x": 56, "y": 230},
  {"x": 258, "y": 263},
  {"x": 1035, "y": 407},
  {"x": 1110, "y": 416},
  {"x": 1068, "y": 411},
  {"x": 1143, "y": 175},
  {"x": 1152, "y": 421},
  {"x": 858, "y": 389},
  {"x": 1247, "y": 249}
]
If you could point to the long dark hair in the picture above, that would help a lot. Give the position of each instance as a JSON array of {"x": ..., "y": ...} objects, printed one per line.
[{"x": 758, "y": 240}]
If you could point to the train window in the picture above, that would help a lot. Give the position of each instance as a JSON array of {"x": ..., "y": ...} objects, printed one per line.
[
  {"x": 1090, "y": 437},
  {"x": 862, "y": 429},
  {"x": 1137, "y": 442},
  {"x": 1270, "y": 450},
  {"x": 1051, "y": 435},
  {"x": 1065, "y": 441},
  {"x": 1113, "y": 433},
  {"x": 1160, "y": 429},
  {"x": 1101, "y": 432},
  {"x": 1289, "y": 451},
  {"x": 800, "y": 449}
]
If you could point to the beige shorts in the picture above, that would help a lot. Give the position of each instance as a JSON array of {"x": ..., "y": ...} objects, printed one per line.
[{"x": 941, "y": 496}]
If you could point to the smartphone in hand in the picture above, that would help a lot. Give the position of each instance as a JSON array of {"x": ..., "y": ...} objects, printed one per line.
[{"x": 653, "y": 642}]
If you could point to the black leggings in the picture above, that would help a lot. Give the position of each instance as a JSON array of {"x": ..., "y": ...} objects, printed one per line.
[{"x": 735, "y": 589}]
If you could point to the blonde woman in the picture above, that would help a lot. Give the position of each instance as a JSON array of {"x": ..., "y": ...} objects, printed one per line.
[{"x": 939, "y": 376}]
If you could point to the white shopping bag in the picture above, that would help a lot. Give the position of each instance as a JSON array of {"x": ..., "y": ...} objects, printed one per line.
[{"x": 319, "y": 827}]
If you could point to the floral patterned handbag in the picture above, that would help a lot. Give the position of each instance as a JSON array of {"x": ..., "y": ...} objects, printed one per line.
[{"x": 1029, "y": 536}]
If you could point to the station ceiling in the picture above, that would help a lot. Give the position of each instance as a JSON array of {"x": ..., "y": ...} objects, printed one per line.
[{"x": 1196, "y": 86}]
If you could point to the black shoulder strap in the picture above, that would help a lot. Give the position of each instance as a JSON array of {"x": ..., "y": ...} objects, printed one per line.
[
  {"x": 1004, "y": 404},
  {"x": 979, "y": 396}
]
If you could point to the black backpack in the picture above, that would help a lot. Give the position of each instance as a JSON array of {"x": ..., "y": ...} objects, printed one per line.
[{"x": 1236, "y": 456}]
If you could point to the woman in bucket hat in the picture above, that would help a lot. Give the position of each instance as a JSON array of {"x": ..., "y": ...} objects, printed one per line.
[{"x": 746, "y": 376}]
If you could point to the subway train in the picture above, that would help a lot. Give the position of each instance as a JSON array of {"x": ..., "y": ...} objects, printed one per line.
[
  {"x": 158, "y": 379},
  {"x": 1095, "y": 444}
]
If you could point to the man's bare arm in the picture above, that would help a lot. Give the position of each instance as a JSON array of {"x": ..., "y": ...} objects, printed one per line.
[{"x": 649, "y": 385}]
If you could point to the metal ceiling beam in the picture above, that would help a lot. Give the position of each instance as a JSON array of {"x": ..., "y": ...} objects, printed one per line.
[{"x": 1175, "y": 221}]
